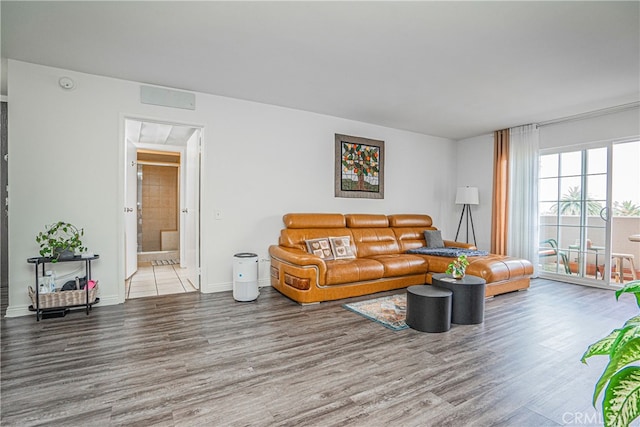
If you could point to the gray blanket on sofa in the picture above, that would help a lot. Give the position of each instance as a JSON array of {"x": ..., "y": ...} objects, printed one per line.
[{"x": 448, "y": 252}]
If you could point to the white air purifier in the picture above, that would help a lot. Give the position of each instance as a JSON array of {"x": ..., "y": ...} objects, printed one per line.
[{"x": 245, "y": 276}]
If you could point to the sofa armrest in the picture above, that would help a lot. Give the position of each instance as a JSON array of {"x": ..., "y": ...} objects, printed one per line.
[
  {"x": 296, "y": 256},
  {"x": 451, "y": 243},
  {"x": 299, "y": 264}
]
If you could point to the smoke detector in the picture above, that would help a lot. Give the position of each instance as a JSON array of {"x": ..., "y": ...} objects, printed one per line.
[{"x": 66, "y": 83}]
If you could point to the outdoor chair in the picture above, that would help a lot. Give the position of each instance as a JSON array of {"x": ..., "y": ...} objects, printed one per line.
[{"x": 549, "y": 248}]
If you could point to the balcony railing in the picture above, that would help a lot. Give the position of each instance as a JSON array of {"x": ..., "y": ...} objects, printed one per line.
[{"x": 567, "y": 258}]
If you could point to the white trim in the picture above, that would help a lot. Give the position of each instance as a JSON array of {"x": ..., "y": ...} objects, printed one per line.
[
  {"x": 611, "y": 286},
  {"x": 23, "y": 310},
  {"x": 588, "y": 145},
  {"x": 591, "y": 114},
  {"x": 212, "y": 288}
]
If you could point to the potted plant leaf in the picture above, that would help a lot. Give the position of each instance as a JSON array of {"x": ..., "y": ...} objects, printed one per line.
[
  {"x": 60, "y": 241},
  {"x": 458, "y": 267},
  {"x": 621, "y": 377}
]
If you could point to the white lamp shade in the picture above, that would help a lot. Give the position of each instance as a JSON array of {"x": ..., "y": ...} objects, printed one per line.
[{"x": 467, "y": 196}]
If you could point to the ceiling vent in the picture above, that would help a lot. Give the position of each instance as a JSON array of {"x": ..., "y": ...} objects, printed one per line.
[{"x": 167, "y": 97}]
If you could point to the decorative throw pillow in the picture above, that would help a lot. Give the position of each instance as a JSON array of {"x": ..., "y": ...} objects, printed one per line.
[
  {"x": 433, "y": 238},
  {"x": 320, "y": 247},
  {"x": 342, "y": 247}
]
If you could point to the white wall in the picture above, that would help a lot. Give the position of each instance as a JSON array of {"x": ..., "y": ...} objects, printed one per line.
[
  {"x": 475, "y": 169},
  {"x": 258, "y": 163}
]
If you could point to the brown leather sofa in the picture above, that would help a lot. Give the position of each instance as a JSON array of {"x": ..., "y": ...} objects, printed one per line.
[{"x": 379, "y": 243}]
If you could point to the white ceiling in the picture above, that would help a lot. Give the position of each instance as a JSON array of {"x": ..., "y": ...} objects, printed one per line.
[
  {"x": 452, "y": 69},
  {"x": 157, "y": 133}
]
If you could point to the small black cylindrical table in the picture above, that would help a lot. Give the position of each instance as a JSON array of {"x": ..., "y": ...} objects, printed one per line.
[
  {"x": 428, "y": 308},
  {"x": 467, "y": 301}
]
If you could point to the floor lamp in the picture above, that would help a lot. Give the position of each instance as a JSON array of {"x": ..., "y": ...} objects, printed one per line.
[{"x": 467, "y": 196}]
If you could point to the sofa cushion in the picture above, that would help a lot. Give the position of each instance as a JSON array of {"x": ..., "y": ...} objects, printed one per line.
[
  {"x": 374, "y": 241},
  {"x": 492, "y": 268},
  {"x": 410, "y": 237},
  {"x": 439, "y": 264},
  {"x": 367, "y": 221},
  {"x": 320, "y": 247},
  {"x": 341, "y": 247},
  {"x": 402, "y": 264},
  {"x": 314, "y": 220},
  {"x": 410, "y": 220},
  {"x": 433, "y": 238},
  {"x": 495, "y": 268},
  {"x": 353, "y": 270}
]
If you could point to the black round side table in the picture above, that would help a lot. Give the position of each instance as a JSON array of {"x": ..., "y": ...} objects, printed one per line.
[
  {"x": 467, "y": 301},
  {"x": 428, "y": 308}
]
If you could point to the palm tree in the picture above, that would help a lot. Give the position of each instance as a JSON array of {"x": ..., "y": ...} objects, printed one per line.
[
  {"x": 626, "y": 208},
  {"x": 571, "y": 203}
]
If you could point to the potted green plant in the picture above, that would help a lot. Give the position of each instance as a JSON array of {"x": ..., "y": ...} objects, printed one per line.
[
  {"x": 621, "y": 376},
  {"x": 60, "y": 241},
  {"x": 458, "y": 267}
]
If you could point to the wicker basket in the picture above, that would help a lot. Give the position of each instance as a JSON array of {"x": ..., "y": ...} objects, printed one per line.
[{"x": 63, "y": 298}]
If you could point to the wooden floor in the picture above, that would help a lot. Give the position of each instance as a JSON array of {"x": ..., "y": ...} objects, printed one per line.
[{"x": 195, "y": 359}]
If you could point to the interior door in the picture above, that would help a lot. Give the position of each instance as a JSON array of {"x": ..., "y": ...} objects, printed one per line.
[
  {"x": 190, "y": 212},
  {"x": 130, "y": 211}
]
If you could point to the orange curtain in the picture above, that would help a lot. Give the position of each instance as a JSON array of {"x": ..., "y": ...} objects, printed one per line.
[{"x": 500, "y": 210}]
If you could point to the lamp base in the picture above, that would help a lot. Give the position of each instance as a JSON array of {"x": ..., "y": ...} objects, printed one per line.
[{"x": 467, "y": 208}]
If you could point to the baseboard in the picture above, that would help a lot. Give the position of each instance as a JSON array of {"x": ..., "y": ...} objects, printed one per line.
[
  {"x": 111, "y": 300},
  {"x": 17, "y": 311},
  {"x": 211, "y": 288},
  {"x": 23, "y": 310}
]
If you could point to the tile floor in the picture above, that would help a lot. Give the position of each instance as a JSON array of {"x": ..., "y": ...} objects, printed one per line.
[{"x": 152, "y": 280}]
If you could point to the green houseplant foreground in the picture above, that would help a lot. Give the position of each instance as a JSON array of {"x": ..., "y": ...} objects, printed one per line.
[{"x": 621, "y": 401}]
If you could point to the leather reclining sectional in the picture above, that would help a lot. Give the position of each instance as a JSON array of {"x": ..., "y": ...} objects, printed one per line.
[{"x": 375, "y": 259}]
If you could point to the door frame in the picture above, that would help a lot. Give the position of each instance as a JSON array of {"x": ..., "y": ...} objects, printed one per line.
[
  {"x": 121, "y": 250},
  {"x": 4, "y": 207}
]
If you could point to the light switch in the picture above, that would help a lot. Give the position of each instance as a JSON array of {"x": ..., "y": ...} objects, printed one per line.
[{"x": 217, "y": 214}]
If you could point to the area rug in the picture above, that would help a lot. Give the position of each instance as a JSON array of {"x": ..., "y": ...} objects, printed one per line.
[
  {"x": 157, "y": 262},
  {"x": 390, "y": 311}
]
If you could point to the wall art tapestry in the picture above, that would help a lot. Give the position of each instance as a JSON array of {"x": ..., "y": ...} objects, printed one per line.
[{"x": 359, "y": 167}]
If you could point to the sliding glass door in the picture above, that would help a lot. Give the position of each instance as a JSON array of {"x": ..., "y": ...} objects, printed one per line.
[
  {"x": 582, "y": 194},
  {"x": 574, "y": 225},
  {"x": 625, "y": 212}
]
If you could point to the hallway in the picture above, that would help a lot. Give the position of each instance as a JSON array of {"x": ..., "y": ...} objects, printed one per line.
[{"x": 154, "y": 280}]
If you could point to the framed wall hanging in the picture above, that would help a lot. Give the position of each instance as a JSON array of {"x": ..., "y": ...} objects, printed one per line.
[{"x": 359, "y": 167}]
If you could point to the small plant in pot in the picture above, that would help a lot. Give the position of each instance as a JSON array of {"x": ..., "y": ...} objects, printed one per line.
[
  {"x": 60, "y": 241},
  {"x": 458, "y": 267}
]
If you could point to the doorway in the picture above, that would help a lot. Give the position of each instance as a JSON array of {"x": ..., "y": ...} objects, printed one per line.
[
  {"x": 158, "y": 206},
  {"x": 161, "y": 214},
  {"x": 589, "y": 208}
]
